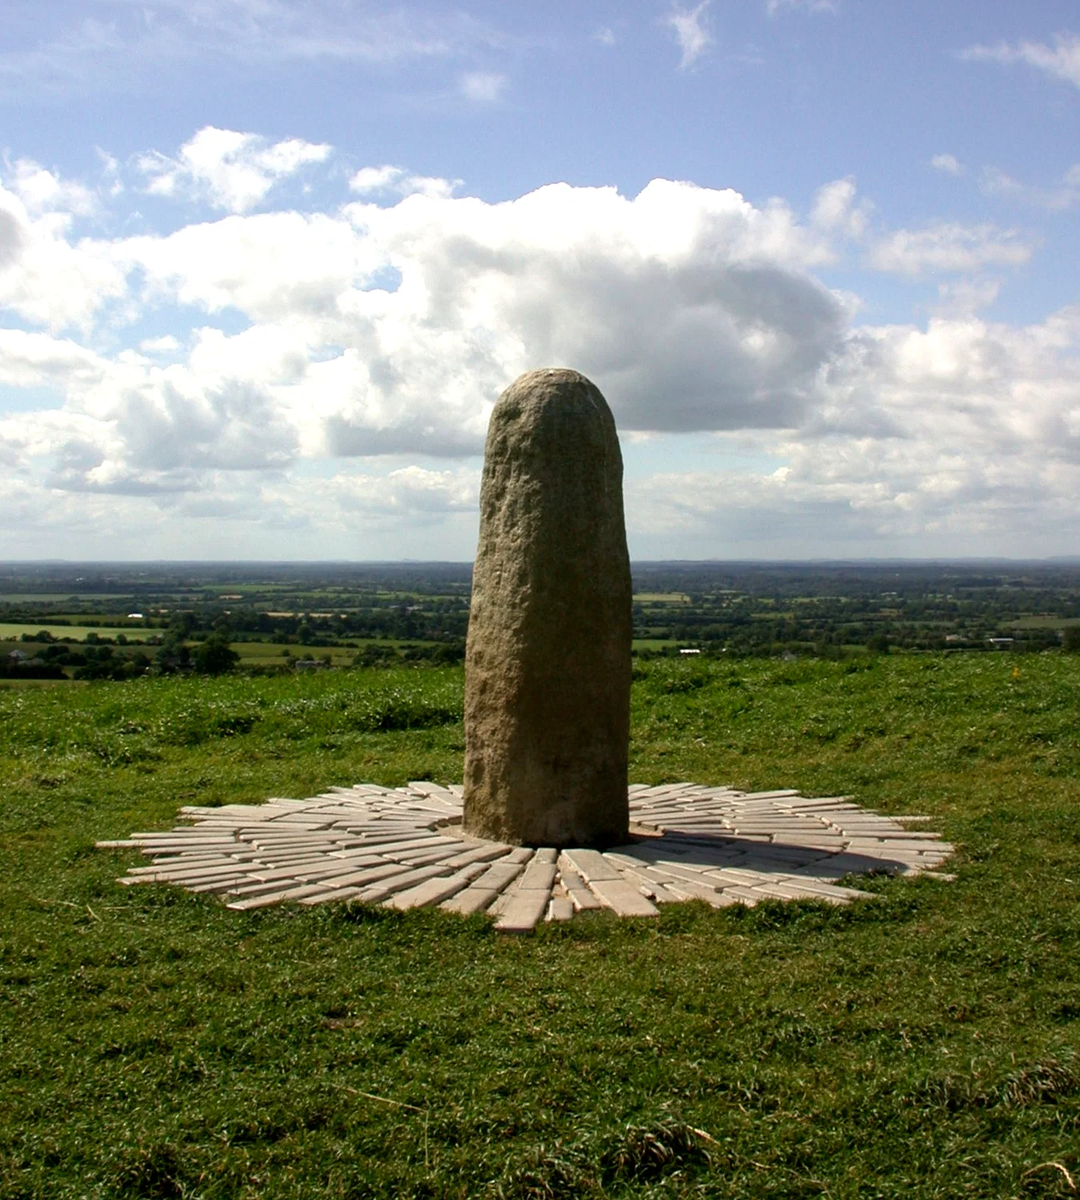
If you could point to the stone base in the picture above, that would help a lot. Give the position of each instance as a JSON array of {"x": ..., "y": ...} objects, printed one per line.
[{"x": 404, "y": 848}]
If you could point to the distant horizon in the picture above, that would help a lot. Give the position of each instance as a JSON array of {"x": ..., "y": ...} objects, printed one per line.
[{"x": 454, "y": 562}]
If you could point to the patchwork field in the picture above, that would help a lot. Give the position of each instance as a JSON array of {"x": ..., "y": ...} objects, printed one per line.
[
  {"x": 925, "y": 1043},
  {"x": 134, "y": 632}
]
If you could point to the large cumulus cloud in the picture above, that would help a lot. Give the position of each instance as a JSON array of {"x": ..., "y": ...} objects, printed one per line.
[
  {"x": 227, "y": 370},
  {"x": 959, "y": 436},
  {"x": 375, "y": 330}
]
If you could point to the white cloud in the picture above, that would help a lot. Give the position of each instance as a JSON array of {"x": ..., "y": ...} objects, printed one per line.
[
  {"x": 960, "y": 436},
  {"x": 948, "y": 163},
  {"x": 1059, "y": 61},
  {"x": 965, "y": 297},
  {"x": 836, "y": 212},
  {"x": 45, "y": 277},
  {"x": 1064, "y": 196},
  {"x": 389, "y": 180},
  {"x": 605, "y": 35},
  {"x": 35, "y": 359},
  {"x": 407, "y": 492},
  {"x": 692, "y": 306},
  {"x": 42, "y": 191},
  {"x": 949, "y": 246},
  {"x": 166, "y": 344},
  {"x": 231, "y": 171},
  {"x": 691, "y": 35},
  {"x": 483, "y": 87},
  {"x": 382, "y": 332}
]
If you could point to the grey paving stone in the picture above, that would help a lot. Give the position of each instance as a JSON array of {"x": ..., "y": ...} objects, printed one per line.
[
  {"x": 434, "y": 891},
  {"x": 523, "y": 909},
  {"x": 472, "y": 900},
  {"x": 815, "y": 888},
  {"x": 590, "y": 864},
  {"x": 276, "y": 897},
  {"x": 330, "y": 896},
  {"x": 422, "y": 858},
  {"x": 478, "y": 854},
  {"x": 225, "y": 883},
  {"x": 685, "y": 889},
  {"x": 578, "y": 893},
  {"x": 623, "y": 897},
  {"x": 378, "y": 892},
  {"x": 499, "y": 875},
  {"x": 538, "y": 875}
]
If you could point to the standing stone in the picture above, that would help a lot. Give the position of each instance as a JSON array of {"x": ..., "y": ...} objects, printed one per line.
[{"x": 547, "y": 664}]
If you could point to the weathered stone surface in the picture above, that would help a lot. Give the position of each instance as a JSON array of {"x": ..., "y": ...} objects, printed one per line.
[{"x": 547, "y": 667}]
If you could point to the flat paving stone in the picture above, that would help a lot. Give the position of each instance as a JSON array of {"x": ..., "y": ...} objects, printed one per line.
[
  {"x": 404, "y": 848},
  {"x": 433, "y": 891},
  {"x": 470, "y": 900},
  {"x": 523, "y": 910}
]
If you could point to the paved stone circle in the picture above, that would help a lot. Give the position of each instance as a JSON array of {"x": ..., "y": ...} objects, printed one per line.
[{"x": 404, "y": 848}]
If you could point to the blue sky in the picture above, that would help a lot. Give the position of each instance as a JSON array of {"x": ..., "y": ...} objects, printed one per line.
[{"x": 265, "y": 266}]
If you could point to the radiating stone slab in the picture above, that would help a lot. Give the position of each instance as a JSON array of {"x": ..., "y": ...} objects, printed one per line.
[
  {"x": 623, "y": 897},
  {"x": 471, "y": 900},
  {"x": 524, "y": 908},
  {"x": 434, "y": 891},
  {"x": 394, "y": 846}
]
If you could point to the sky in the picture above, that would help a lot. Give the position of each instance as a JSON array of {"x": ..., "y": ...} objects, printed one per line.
[{"x": 266, "y": 265}]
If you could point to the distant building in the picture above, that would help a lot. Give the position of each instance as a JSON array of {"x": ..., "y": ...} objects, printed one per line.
[
  {"x": 1000, "y": 643},
  {"x": 135, "y": 616},
  {"x": 689, "y": 651}
]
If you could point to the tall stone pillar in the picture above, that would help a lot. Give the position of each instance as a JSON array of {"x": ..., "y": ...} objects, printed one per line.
[{"x": 547, "y": 663}]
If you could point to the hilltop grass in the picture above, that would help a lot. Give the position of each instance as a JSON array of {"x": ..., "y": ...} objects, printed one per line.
[{"x": 925, "y": 1044}]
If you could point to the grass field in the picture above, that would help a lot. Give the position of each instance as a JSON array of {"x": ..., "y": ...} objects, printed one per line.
[
  {"x": 57, "y": 597},
  {"x": 134, "y": 632},
  {"x": 925, "y": 1043},
  {"x": 270, "y": 653}
]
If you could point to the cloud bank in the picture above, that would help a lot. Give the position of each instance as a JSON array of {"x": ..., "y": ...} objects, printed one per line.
[{"x": 301, "y": 374}]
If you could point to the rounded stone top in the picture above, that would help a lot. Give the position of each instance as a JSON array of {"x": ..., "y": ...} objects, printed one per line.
[
  {"x": 548, "y": 379},
  {"x": 550, "y": 394},
  {"x": 555, "y": 374}
]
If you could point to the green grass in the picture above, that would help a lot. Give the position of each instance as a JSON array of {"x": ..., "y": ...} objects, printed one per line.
[
  {"x": 134, "y": 631},
  {"x": 654, "y": 643},
  {"x": 57, "y": 597},
  {"x": 925, "y": 1044},
  {"x": 270, "y": 653}
]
